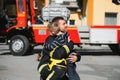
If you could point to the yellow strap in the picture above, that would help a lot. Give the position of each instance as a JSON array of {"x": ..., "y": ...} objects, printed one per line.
[
  {"x": 41, "y": 67},
  {"x": 67, "y": 49},
  {"x": 50, "y": 75},
  {"x": 55, "y": 62}
]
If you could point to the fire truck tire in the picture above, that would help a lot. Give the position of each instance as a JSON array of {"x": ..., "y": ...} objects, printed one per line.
[
  {"x": 19, "y": 45},
  {"x": 115, "y": 48}
]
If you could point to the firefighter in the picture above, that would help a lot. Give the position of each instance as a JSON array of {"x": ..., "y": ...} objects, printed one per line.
[
  {"x": 60, "y": 40},
  {"x": 53, "y": 65}
]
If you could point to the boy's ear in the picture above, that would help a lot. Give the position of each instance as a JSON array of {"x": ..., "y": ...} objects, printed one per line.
[{"x": 53, "y": 33}]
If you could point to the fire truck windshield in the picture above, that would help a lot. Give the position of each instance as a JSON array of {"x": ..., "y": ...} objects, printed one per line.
[{"x": 10, "y": 7}]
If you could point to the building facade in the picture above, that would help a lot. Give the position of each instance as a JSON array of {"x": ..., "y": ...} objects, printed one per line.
[{"x": 103, "y": 12}]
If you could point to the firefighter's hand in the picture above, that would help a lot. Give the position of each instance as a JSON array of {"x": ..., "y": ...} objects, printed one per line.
[{"x": 72, "y": 58}]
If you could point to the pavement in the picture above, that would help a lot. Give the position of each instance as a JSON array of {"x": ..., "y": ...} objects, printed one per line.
[{"x": 91, "y": 67}]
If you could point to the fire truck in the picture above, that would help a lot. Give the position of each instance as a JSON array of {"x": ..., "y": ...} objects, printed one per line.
[{"x": 23, "y": 23}]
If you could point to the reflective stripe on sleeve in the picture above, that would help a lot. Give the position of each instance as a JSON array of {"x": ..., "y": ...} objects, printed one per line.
[
  {"x": 41, "y": 67},
  {"x": 67, "y": 49},
  {"x": 50, "y": 75}
]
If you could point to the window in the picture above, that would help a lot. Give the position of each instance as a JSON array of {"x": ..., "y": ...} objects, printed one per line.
[
  {"x": 72, "y": 22},
  {"x": 116, "y": 1},
  {"x": 10, "y": 7},
  {"x": 110, "y": 18},
  {"x": 20, "y": 5}
]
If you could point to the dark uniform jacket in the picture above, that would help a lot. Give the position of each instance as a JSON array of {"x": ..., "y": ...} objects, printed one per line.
[{"x": 58, "y": 52}]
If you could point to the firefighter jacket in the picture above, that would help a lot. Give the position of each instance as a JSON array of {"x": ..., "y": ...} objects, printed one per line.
[{"x": 58, "y": 55}]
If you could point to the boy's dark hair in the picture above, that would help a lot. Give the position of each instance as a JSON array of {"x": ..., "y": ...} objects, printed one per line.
[{"x": 56, "y": 19}]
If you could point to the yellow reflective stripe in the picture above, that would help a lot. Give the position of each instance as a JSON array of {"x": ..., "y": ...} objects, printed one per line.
[
  {"x": 51, "y": 53},
  {"x": 55, "y": 62},
  {"x": 67, "y": 49},
  {"x": 65, "y": 46},
  {"x": 41, "y": 67},
  {"x": 50, "y": 75}
]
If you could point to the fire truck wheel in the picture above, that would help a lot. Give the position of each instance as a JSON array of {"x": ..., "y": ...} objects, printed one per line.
[
  {"x": 115, "y": 48},
  {"x": 19, "y": 45}
]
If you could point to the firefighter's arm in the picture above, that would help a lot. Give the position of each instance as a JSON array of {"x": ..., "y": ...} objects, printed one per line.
[{"x": 62, "y": 52}]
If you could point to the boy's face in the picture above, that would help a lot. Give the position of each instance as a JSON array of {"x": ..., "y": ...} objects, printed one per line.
[{"x": 62, "y": 25}]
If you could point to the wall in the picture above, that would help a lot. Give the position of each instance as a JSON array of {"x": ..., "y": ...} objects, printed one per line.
[{"x": 102, "y": 6}]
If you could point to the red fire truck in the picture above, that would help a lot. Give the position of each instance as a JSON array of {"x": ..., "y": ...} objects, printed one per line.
[{"x": 21, "y": 29}]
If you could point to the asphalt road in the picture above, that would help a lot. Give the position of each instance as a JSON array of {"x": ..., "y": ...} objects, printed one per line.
[{"x": 91, "y": 67}]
